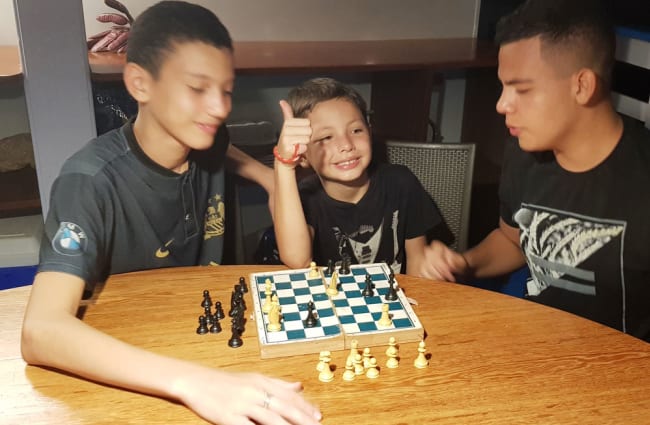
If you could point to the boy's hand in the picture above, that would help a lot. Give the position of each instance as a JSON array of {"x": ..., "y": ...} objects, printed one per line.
[
  {"x": 443, "y": 263},
  {"x": 295, "y": 135},
  {"x": 242, "y": 398}
]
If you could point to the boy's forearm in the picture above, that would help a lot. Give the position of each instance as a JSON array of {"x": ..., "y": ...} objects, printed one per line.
[
  {"x": 55, "y": 338},
  {"x": 249, "y": 168},
  {"x": 496, "y": 255},
  {"x": 291, "y": 229}
]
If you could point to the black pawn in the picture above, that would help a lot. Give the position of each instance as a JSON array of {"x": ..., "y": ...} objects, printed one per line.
[
  {"x": 311, "y": 320},
  {"x": 206, "y": 299},
  {"x": 330, "y": 268},
  {"x": 218, "y": 310},
  {"x": 391, "y": 295},
  {"x": 367, "y": 290},
  {"x": 216, "y": 326},
  {"x": 208, "y": 315},
  {"x": 203, "y": 326},
  {"x": 242, "y": 283}
]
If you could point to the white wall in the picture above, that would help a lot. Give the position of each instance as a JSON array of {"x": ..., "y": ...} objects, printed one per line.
[
  {"x": 304, "y": 20},
  {"x": 8, "y": 33}
]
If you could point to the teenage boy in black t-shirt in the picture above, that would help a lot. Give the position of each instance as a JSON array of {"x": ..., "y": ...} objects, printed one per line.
[{"x": 150, "y": 195}]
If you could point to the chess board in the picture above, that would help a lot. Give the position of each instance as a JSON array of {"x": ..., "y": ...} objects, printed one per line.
[{"x": 341, "y": 318}]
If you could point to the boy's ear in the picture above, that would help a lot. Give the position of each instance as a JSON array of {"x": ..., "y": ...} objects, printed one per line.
[
  {"x": 585, "y": 85},
  {"x": 137, "y": 81}
]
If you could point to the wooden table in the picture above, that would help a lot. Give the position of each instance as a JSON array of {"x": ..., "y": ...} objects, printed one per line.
[{"x": 495, "y": 359}]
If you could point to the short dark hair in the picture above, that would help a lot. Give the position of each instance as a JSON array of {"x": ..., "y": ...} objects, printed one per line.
[
  {"x": 158, "y": 28},
  {"x": 304, "y": 98},
  {"x": 583, "y": 26}
]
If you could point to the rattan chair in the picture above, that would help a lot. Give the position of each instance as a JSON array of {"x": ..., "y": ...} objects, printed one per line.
[{"x": 445, "y": 170}]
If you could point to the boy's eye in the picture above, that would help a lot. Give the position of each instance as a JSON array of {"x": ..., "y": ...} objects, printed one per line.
[
  {"x": 322, "y": 139},
  {"x": 357, "y": 130},
  {"x": 197, "y": 89}
]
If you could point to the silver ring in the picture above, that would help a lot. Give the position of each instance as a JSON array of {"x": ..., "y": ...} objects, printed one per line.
[{"x": 267, "y": 400}]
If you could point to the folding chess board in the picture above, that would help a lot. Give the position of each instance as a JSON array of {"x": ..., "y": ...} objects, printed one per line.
[{"x": 341, "y": 318}]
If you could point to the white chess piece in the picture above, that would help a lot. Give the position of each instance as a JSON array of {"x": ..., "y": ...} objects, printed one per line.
[
  {"x": 313, "y": 270},
  {"x": 266, "y": 307},
  {"x": 326, "y": 374},
  {"x": 349, "y": 374},
  {"x": 392, "y": 352},
  {"x": 421, "y": 361},
  {"x": 332, "y": 289},
  {"x": 372, "y": 371},
  {"x": 385, "y": 320}
]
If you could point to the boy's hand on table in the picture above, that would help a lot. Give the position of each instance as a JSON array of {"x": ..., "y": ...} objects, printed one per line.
[
  {"x": 245, "y": 398},
  {"x": 295, "y": 135}
]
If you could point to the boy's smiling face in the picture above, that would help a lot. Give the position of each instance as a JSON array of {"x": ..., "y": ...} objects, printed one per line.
[
  {"x": 192, "y": 95},
  {"x": 340, "y": 150}
]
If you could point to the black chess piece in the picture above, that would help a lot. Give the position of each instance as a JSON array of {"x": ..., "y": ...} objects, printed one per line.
[
  {"x": 206, "y": 299},
  {"x": 235, "y": 340},
  {"x": 311, "y": 320},
  {"x": 208, "y": 315},
  {"x": 216, "y": 326},
  {"x": 238, "y": 294},
  {"x": 242, "y": 283},
  {"x": 330, "y": 268},
  {"x": 239, "y": 321},
  {"x": 345, "y": 265},
  {"x": 203, "y": 326},
  {"x": 233, "y": 304},
  {"x": 367, "y": 290},
  {"x": 391, "y": 295},
  {"x": 218, "y": 310}
]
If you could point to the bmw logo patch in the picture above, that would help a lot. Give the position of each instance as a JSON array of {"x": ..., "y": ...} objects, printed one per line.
[{"x": 70, "y": 239}]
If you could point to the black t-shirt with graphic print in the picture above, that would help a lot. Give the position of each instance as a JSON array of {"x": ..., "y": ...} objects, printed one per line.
[
  {"x": 114, "y": 210},
  {"x": 586, "y": 236},
  {"x": 395, "y": 208}
]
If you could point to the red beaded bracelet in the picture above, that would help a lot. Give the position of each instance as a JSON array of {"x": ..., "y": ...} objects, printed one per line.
[{"x": 289, "y": 161}]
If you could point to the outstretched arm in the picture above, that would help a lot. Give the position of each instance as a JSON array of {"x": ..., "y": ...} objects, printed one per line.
[
  {"x": 499, "y": 253},
  {"x": 249, "y": 168},
  {"x": 432, "y": 261},
  {"x": 293, "y": 234},
  {"x": 53, "y": 336}
]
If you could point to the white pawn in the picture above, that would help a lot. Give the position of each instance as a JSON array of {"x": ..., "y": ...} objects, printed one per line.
[
  {"x": 349, "y": 374},
  {"x": 358, "y": 364},
  {"x": 385, "y": 320},
  {"x": 313, "y": 270},
  {"x": 421, "y": 361},
  {"x": 326, "y": 374},
  {"x": 321, "y": 363},
  {"x": 392, "y": 352},
  {"x": 372, "y": 371},
  {"x": 366, "y": 357}
]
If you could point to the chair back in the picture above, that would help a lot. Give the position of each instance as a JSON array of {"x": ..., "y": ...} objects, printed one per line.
[{"x": 445, "y": 170}]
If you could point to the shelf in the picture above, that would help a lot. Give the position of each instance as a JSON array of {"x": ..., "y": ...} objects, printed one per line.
[
  {"x": 276, "y": 57},
  {"x": 10, "y": 68}
]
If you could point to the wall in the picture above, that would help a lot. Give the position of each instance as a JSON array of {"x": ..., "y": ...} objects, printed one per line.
[{"x": 256, "y": 97}]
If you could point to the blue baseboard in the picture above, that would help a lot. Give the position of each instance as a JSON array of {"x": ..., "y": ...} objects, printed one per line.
[{"x": 12, "y": 277}]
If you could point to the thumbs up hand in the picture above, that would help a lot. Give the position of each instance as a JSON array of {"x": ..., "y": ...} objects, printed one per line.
[{"x": 295, "y": 135}]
